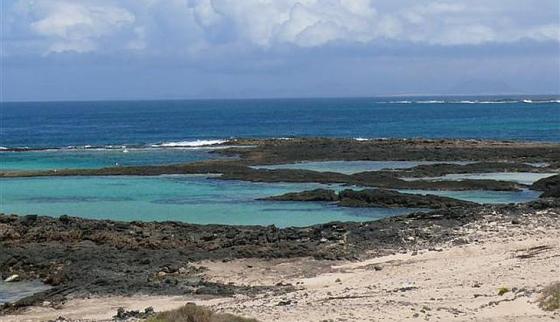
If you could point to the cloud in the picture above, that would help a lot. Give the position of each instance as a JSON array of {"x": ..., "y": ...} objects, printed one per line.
[
  {"x": 74, "y": 25},
  {"x": 192, "y": 27}
]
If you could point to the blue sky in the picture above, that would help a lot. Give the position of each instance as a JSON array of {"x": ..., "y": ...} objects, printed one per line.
[{"x": 156, "y": 49}]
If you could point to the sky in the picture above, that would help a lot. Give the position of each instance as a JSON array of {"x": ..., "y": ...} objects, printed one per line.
[{"x": 174, "y": 49}]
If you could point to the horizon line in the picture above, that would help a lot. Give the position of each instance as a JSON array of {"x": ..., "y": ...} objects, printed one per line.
[{"x": 273, "y": 98}]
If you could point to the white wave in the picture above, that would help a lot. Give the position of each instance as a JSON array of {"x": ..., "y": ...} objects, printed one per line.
[
  {"x": 399, "y": 102},
  {"x": 466, "y": 101},
  {"x": 188, "y": 144},
  {"x": 431, "y": 102},
  {"x": 361, "y": 139},
  {"x": 3, "y": 148}
]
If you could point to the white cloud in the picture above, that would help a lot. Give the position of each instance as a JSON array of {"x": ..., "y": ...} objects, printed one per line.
[
  {"x": 76, "y": 25},
  {"x": 197, "y": 25}
]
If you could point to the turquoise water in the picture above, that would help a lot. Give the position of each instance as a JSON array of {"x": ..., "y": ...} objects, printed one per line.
[
  {"x": 193, "y": 199},
  {"x": 520, "y": 177},
  {"x": 350, "y": 167},
  {"x": 480, "y": 196},
  {"x": 79, "y": 159}
]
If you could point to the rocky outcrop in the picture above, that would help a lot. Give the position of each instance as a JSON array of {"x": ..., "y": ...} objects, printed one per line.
[
  {"x": 550, "y": 187},
  {"x": 390, "y": 199},
  {"x": 374, "y": 198},
  {"x": 441, "y": 169},
  {"x": 323, "y": 149},
  {"x": 309, "y": 195}
]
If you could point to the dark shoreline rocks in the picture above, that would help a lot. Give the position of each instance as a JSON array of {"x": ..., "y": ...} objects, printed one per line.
[
  {"x": 329, "y": 149},
  {"x": 308, "y": 195},
  {"x": 495, "y": 156},
  {"x": 390, "y": 199},
  {"x": 374, "y": 198},
  {"x": 550, "y": 187}
]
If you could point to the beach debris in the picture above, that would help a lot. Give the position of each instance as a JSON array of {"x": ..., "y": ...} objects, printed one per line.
[
  {"x": 503, "y": 290},
  {"x": 284, "y": 302},
  {"x": 12, "y": 278},
  {"x": 532, "y": 251},
  {"x": 123, "y": 315}
]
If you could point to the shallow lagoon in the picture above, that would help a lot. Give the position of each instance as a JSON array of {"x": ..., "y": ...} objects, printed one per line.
[
  {"x": 92, "y": 158},
  {"x": 519, "y": 177},
  {"x": 13, "y": 291},
  {"x": 193, "y": 199},
  {"x": 351, "y": 167}
]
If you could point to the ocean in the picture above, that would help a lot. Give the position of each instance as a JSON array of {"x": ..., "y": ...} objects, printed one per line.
[{"x": 147, "y": 123}]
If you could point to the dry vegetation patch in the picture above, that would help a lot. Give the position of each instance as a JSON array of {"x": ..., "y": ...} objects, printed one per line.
[
  {"x": 193, "y": 313},
  {"x": 550, "y": 297}
]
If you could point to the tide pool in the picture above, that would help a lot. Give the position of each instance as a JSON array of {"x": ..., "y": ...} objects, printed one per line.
[
  {"x": 351, "y": 167},
  {"x": 82, "y": 159},
  {"x": 192, "y": 199},
  {"x": 13, "y": 291},
  {"x": 482, "y": 196},
  {"x": 519, "y": 177}
]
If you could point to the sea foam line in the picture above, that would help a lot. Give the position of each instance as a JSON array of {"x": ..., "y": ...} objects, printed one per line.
[{"x": 188, "y": 144}]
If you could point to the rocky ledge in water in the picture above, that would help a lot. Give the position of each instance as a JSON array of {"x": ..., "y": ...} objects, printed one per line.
[
  {"x": 550, "y": 187},
  {"x": 327, "y": 149},
  {"x": 81, "y": 257},
  {"x": 442, "y": 169},
  {"x": 374, "y": 198},
  {"x": 232, "y": 170},
  {"x": 497, "y": 156}
]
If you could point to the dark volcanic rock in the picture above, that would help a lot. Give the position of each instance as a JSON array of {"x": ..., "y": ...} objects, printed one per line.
[
  {"x": 388, "y": 198},
  {"x": 374, "y": 198},
  {"x": 551, "y": 193},
  {"x": 550, "y": 187},
  {"x": 323, "y": 149},
  {"x": 441, "y": 169},
  {"x": 310, "y": 195}
]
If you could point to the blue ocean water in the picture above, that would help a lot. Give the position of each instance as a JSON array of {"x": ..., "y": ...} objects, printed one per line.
[{"x": 61, "y": 124}]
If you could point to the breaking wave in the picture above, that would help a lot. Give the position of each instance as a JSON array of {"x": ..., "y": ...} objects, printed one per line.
[{"x": 466, "y": 101}]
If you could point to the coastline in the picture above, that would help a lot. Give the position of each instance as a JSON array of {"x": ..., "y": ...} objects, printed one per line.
[
  {"x": 102, "y": 259},
  {"x": 399, "y": 265}
]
